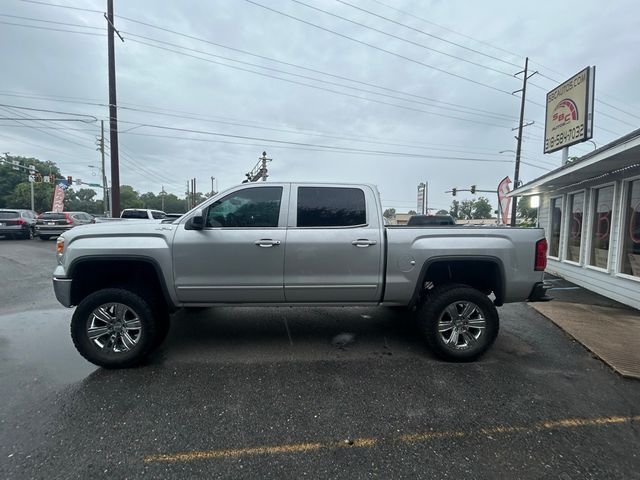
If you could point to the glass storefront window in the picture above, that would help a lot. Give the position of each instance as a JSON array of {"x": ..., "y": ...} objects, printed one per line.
[
  {"x": 601, "y": 226},
  {"x": 556, "y": 223},
  {"x": 576, "y": 210},
  {"x": 631, "y": 241}
]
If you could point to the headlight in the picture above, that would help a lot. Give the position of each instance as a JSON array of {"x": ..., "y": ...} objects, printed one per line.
[{"x": 60, "y": 250}]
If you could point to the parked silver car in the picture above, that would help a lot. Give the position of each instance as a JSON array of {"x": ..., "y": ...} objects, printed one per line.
[
  {"x": 17, "y": 223},
  {"x": 53, "y": 224}
]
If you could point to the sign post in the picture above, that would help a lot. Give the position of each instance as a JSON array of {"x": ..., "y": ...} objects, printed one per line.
[{"x": 569, "y": 113}]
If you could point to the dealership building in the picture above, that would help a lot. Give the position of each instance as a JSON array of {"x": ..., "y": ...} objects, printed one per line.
[{"x": 590, "y": 211}]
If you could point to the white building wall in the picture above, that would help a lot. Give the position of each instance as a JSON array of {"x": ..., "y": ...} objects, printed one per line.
[{"x": 607, "y": 282}]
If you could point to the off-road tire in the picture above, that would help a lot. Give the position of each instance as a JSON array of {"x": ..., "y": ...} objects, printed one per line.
[
  {"x": 433, "y": 307},
  {"x": 154, "y": 328}
]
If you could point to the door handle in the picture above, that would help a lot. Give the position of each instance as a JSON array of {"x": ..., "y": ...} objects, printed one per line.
[
  {"x": 363, "y": 243},
  {"x": 266, "y": 243}
]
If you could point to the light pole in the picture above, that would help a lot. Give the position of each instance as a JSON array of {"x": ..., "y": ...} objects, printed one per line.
[{"x": 214, "y": 190}]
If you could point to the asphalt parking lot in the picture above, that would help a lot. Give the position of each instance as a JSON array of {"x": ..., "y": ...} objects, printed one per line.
[{"x": 291, "y": 393}]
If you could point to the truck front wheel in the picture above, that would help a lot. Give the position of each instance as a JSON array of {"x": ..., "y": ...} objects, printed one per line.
[
  {"x": 459, "y": 323},
  {"x": 116, "y": 328}
]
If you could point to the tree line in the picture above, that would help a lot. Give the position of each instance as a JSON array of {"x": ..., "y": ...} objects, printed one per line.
[{"x": 15, "y": 192}]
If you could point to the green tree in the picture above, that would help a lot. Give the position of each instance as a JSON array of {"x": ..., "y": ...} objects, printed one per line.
[
  {"x": 10, "y": 179},
  {"x": 21, "y": 196},
  {"x": 528, "y": 215},
  {"x": 412, "y": 212},
  {"x": 129, "y": 198},
  {"x": 389, "y": 213},
  {"x": 442, "y": 212},
  {"x": 466, "y": 209},
  {"x": 454, "y": 210},
  {"x": 83, "y": 200},
  {"x": 482, "y": 208}
]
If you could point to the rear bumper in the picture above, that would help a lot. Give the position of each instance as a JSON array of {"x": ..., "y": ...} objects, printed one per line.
[
  {"x": 62, "y": 289},
  {"x": 539, "y": 292},
  {"x": 51, "y": 230},
  {"x": 13, "y": 229}
]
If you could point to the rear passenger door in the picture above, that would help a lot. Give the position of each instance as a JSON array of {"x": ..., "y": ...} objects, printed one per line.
[{"x": 334, "y": 246}]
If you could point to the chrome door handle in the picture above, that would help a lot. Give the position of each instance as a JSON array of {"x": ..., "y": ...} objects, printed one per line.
[
  {"x": 363, "y": 243},
  {"x": 266, "y": 243}
]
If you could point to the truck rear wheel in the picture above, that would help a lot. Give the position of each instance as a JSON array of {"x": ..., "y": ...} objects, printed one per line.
[
  {"x": 459, "y": 323},
  {"x": 116, "y": 328}
]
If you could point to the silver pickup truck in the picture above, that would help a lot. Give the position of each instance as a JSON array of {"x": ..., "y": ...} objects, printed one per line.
[{"x": 291, "y": 244}]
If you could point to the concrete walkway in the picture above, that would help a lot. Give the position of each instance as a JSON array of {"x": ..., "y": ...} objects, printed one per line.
[{"x": 610, "y": 330}]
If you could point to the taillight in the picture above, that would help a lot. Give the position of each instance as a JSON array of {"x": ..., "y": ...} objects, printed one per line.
[
  {"x": 68, "y": 218},
  {"x": 541, "y": 255},
  {"x": 20, "y": 221}
]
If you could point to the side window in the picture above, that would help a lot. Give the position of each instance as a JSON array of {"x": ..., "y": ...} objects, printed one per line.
[
  {"x": 331, "y": 207},
  {"x": 251, "y": 207}
]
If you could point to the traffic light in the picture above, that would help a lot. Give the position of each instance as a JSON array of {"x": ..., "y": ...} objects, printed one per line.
[
  {"x": 69, "y": 180},
  {"x": 453, "y": 191},
  {"x": 473, "y": 189}
]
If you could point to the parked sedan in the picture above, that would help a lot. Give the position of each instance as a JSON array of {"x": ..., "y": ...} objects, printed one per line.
[
  {"x": 53, "y": 224},
  {"x": 17, "y": 223}
]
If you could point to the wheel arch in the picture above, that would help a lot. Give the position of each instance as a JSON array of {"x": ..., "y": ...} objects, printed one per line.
[
  {"x": 449, "y": 269},
  {"x": 94, "y": 272}
]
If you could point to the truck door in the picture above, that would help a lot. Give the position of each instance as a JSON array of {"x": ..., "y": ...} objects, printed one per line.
[
  {"x": 238, "y": 256},
  {"x": 334, "y": 245}
]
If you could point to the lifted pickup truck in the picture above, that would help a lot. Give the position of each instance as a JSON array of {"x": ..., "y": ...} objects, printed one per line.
[{"x": 291, "y": 244}]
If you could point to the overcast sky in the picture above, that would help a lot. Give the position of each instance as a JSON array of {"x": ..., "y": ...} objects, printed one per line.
[{"x": 396, "y": 141}]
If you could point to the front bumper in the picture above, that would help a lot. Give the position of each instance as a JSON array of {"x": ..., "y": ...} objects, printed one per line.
[
  {"x": 62, "y": 289},
  {"x": 539, "y": 292}
]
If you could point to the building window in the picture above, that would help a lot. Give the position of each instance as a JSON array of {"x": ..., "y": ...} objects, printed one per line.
[
  {"x": 576, "y": 210},
  {"x": 631, "y": 240},
  {"x": 331, "y": 207},
  {"x": 601, "y": 226},
  {"x": 554, "y": 230}
]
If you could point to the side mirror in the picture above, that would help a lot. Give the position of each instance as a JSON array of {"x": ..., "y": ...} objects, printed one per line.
[{"x": 196, "y": 222}]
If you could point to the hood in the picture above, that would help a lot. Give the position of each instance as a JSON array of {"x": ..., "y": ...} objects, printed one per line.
[{"x": 125, "y": 228}]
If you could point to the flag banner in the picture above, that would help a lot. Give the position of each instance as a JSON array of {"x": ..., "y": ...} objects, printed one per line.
[
  {"x": 58, "y": 197},
  {"x": 503, "y": 201}
]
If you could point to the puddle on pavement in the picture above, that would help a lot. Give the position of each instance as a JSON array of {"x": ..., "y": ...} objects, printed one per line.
[{"x": 39, "y": 340}]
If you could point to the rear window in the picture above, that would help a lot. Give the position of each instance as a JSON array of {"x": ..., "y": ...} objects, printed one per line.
[
  {"x": 331, "y": 207},
  {"x": 157, "y": 214},
  {"x": 433, "y": 220},
  {"x": 9, "y": 215},
  {"x": 134, "y": 214},
  {"x": 53, "y": 216}
]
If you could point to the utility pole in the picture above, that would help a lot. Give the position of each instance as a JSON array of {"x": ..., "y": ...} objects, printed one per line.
[
  {"x": 521, "y": 125},
  {"x": 113, "y": 113},
  {"x": 162, "y": 194},
  {"x": 105, "y": 206},
  {"x": 186, "y": 197},
  {"x": 214, "y": 191}
]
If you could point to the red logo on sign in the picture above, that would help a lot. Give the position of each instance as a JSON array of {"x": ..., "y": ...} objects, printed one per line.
[{"x": 565, "y": 111}]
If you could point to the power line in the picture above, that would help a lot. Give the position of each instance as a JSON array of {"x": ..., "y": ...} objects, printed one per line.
[
  {"x": 321, "y": 72},
  {"x": 51, "y": 29},
  {"x": 238, "y": 122},
  {"x": 429, "y": 34},
  {"x": 404, "y": 12},
  {"x": 52, "y": 22},
  {"x": 404, "y": 107},
  {"x": 62, "y": 6},
  {"x": 93, "y": 119},
  {"x": 491, "y": 116},
  {"x": 375, "y": 47},
  {"x": 402, "y": 39}
]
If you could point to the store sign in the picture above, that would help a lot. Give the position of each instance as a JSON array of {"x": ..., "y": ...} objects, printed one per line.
[
  {"x": 569, "y": 116},
  {"x": 421, "y": 198}
]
